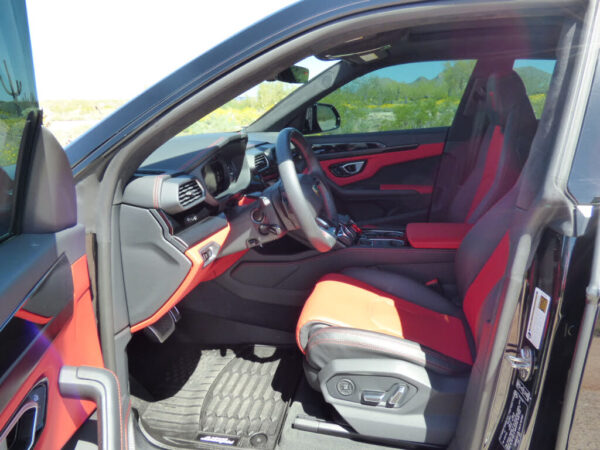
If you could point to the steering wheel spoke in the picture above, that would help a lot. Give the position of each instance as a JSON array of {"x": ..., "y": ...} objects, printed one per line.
[{"x": 307, "y": 194}]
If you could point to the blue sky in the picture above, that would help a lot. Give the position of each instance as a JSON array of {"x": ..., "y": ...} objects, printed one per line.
[{"x": 408, "y": 73}]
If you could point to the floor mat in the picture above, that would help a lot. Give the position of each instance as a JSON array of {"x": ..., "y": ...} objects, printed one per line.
[{"x": 223, "y": 398}]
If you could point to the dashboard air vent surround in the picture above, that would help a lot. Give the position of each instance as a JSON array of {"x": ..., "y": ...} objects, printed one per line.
[
  {"x": 261, "y": 162},
  {"x": 189, "y": 193}
]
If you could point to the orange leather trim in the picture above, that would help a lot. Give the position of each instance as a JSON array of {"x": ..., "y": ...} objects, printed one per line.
[
  {"x": 81, "y": 284},
  {"x": 32, "y": 317},
  {"x": 339, "y": 300},
  {"x": 76, "y": 344},
  {"x": 195, "y": 276},
  {"x": 221, "y": 265},
  {"x": 81, "y": 277},
  {"x": 436, "y": 235},
  {"x": 245, "y": 200}
]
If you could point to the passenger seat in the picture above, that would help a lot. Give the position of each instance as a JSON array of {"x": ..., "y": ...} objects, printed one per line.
[{"x": 507, "y": 133}]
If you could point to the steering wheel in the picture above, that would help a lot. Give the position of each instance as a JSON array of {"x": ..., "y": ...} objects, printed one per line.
[{"x": 307, "y": 193}]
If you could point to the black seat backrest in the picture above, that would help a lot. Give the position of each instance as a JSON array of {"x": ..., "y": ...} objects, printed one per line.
[{"x": 503, "y": 147}]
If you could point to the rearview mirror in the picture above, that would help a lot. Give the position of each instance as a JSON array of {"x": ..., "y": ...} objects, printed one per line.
[
  {"x": 320, "y": 118},
  {"x": 293, "y": 74}
]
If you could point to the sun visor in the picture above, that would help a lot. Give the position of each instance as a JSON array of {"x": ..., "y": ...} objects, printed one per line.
[{"x": 359, "y": 50}]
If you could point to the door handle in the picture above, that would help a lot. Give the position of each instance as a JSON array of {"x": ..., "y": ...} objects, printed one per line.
[
  {"x": 348, "y": 169},
  {"x": 101, "y": 386}
]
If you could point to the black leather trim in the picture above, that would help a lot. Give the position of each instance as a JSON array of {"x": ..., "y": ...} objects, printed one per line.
[
  {"x": 37, "y": 341},
  {"x": 331, "y": 343},
  {"x": 404, "y": 288},
  {"x": 50, "y": 202},
  {"x": 203, "y": 229},
  {"x": 53, "y": 292},
  {"x": 365, "y": 152},
  {"x": 308, "y": 329}
]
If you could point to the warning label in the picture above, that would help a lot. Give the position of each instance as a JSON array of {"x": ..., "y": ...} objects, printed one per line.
[
  {"x": 512, "y": 430},
  {"x": 540, "y": 306}
]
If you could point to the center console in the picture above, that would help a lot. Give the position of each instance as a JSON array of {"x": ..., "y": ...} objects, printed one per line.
[
  {"x": 349, "y": 234},
  {"x": 415, "y": 235}
]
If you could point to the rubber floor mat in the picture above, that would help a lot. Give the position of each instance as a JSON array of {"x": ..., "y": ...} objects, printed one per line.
[{"x": 232, "y": 398}]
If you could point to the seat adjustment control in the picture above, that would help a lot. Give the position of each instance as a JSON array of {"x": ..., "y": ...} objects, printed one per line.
[
  {"x": 397, "y": 396},
  {"x": 372, "y": 398}
]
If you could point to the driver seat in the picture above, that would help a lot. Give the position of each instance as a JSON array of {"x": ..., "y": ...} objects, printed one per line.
[{"x": 393, "y": 356}]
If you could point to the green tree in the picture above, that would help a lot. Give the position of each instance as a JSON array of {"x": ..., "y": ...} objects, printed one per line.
[{"x": 456, "y": 76}]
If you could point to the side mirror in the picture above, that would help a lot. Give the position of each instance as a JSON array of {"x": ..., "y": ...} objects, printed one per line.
[{"x": 320, "y": 118}]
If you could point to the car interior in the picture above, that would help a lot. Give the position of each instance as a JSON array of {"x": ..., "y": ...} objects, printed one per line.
[{"x": 298, "y": 285}]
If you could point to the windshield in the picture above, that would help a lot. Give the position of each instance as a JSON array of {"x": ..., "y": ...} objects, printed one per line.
[{"x": 246, "y": 108}]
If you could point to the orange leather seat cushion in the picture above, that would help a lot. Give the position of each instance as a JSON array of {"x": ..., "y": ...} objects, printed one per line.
[{"x": 339, "y": 300}]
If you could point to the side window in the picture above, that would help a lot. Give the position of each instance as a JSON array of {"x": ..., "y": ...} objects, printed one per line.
[
  {"x": 402, "y": 97},
  {"x": 536, "y": 75},
  {"x": 17, "y": 99}
]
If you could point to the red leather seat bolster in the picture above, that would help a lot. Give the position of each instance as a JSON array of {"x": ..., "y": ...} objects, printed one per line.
[
  {"x": 436, "y": 235},
  {"x": 339, "y": 300}
]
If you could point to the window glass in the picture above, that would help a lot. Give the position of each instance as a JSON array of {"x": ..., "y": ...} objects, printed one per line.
[
  {"x": 246, "y": 108},
  {"x": 402, "y": 97},
  {"x": 536, "y": 75},
  {"x": 17, "y": 99}
]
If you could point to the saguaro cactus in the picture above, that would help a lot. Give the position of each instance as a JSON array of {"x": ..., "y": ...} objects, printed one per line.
[{"x": 13, "y": 91}]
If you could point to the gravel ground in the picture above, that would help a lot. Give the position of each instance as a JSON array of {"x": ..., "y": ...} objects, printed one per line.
[{"x": 585, "y": 433}]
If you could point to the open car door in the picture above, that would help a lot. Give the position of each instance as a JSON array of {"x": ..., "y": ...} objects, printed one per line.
[{"x": 47, "y": 319}]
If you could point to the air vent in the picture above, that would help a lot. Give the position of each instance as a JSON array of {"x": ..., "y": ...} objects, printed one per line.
[
  {"x": 261, "y": 162},
  {"x": 189, "y": 193}
]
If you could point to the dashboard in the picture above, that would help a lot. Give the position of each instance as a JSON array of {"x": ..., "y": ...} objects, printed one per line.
[
  {"x": 172, "y": 221},
  {"x": 192, "y": 177},
  {"x": 174, "y": 231}
]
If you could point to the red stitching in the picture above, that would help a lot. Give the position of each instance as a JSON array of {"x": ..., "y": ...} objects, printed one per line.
[
  {"x": 315, "y": 341},
  {"x": 127, "y": 424},
  {"x": 369, "y": 347}
]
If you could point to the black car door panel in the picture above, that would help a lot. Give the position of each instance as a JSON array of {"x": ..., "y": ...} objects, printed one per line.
[{"x": 382, "y": 178}]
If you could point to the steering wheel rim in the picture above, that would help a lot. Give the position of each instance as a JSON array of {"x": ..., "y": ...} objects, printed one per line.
[{"x": 320, "y": 238}]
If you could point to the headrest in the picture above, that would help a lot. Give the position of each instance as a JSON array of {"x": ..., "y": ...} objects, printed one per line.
[{"x": 505, "y": 92}]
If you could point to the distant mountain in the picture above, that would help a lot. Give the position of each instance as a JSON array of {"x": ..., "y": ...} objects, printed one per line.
[{"x": 536, "y": 81}]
